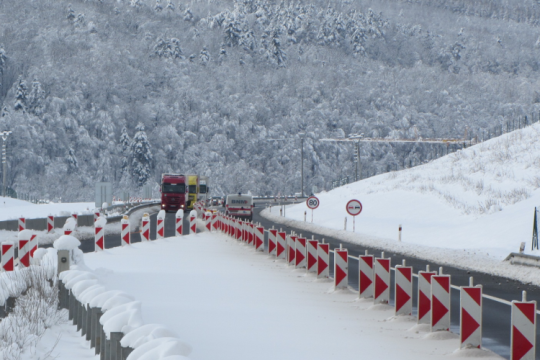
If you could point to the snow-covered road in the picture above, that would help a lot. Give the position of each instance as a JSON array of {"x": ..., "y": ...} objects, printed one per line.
[{"x": 229, "y": 302}]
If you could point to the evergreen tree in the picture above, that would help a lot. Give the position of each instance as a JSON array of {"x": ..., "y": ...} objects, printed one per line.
[
  {"x": 158, "y": 7},
  {"x": 72, "y": 163},
  {"x": 204, "y": 56},
  {"x": 71, "y": 14},
  {"x": 35, "y": 98},
  {"x": 3, "y": 60},
  {"x": 21, "y": 98},
  {"x": 141, "y": 157},
  {"x": 170, "y": 6}
]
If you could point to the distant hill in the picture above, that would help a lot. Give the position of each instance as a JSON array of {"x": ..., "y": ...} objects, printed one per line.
[{"x": 209, "y": 82}]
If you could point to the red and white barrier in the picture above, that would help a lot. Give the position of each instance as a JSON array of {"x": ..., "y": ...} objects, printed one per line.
[
  {"x": 312, "y": 255},
  {"x": 341, "y": 269},
  {"x": 259, "y": 238},
  {"x": 424, "y": 296},
  {"x": 239, "y": 226},
  {"x": 382, "y": 281},
  {"x": 69, "y": 226},
  {"x": 50, "y": 224},
  {"x": 440, "y": 302},
  {"x": 323, "y": 261},
  {"x": 291, "y": 250},
  {"x": 365, "y": 276},
  {"x": 231, "y": 228},
  {"x": 300, "y": 255},
  {"x": 33, "y": 244},
  {"x": 22, "y": 224},
  {"x": 145, "y": 227},
  {"x": 8, "y": 254},
  {"x": 24, "y": 248},
  {"x": 471, "y": 316},
  {"x": 272, "y": 234},
  {"x": 126, "y": 231},
  {"x": 179, "y": 222},
  {"x": 160, "y": 224},
  {"x": 99, "y": 228},
  {"x": 242, "y": 228},
  {"x": 403, "y": 290},
  {"x": 96, "y": 215},
  {"x": 76, "y": 217},
  {"x": 215, "y": 222},
  {"x": 251, "y": 234},
  {"x": 193, "y": 222},
  {"x": 208, "y": 221},
  {"x": 281, "y": 244},
  {"x": 523, "y": 337}
]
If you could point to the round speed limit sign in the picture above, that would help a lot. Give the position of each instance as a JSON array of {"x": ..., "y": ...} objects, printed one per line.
[{"x": 312, "y": 202}]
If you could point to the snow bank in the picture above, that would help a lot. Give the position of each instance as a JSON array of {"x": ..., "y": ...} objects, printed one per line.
[
  {"x": 67, "y": 242},
  {"x": 121, "y": 313}
]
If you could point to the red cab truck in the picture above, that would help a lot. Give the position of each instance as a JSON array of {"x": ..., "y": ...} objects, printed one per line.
[{"x": 173, "y": 192}]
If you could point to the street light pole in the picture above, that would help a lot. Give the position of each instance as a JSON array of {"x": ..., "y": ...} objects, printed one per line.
[{"x": 4, "y": 135}]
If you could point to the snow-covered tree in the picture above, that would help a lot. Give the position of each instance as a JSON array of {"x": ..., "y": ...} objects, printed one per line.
[
  {"x": 170, "y": 6},
  {"x": 141, "y": 157},
  {"x": 21, "y": 98},
  {"x": 72, "y": 163},
  {"x": 158, "y": 7},
  {"x": 36, "y": 98},
  {"x": 204, "y": 56}
]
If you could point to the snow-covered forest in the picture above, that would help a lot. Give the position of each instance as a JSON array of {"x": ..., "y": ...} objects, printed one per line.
[{"x": 121, "y": 91}]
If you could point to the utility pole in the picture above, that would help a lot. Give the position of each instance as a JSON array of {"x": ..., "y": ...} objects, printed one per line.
[
  {"x": 302, "y": 164},
  {"x": 5, "y": 135}
]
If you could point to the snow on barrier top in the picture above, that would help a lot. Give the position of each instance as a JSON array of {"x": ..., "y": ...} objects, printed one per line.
[
  {"x": 122, "y": 313},
  {"x": 66, "y": 242},
  {"x": 101, "y": 222}
]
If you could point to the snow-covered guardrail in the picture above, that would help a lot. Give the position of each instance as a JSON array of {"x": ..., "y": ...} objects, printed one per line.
[{"x": 111, "y": 320}]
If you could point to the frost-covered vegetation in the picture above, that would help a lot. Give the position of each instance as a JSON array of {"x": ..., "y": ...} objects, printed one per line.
[{"x": 122, "y": 91}]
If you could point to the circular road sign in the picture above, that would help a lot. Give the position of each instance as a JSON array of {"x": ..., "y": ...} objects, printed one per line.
[
  {"x": 354, "y": 207},
  {"x": 312, "y": 202}
]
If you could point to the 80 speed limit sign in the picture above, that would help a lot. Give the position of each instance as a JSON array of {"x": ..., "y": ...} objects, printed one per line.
[{"x": 312, "y": 202}]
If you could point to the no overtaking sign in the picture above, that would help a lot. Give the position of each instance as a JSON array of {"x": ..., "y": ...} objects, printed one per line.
[{"x": 354, "y": 207}]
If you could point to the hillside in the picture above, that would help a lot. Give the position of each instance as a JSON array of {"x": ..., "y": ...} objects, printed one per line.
[
  {"x": 478, "y": 202},
  {"x": 209, "y": 82}
]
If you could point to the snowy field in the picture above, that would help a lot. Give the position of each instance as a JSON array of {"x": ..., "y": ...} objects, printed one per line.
[
  {"x": 470, "y": 206},
  {"x": 228, "y": 302},
  {"x": 11, "y": 209}
]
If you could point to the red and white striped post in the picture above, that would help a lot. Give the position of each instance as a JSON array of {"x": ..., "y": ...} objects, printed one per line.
[
  {"x": 323, "y": 261},
  {"x": 179, "y": 222},
  {"x": 24, "y": 248},
  {"x": 281, "y": 244},
  {"x": 239, "y": 226},
  {"x": 193, "y": 222},
  {"x": 470, "y": 316},
  {"x": 33, "y": 244},
  {"x": 272, "y": 233},
  {"x": 215, "y": 222},
  {"x": 259, "y": 238},
  {"x": 300, "y": 256},
  {"x": 440, "y": 302},
  {"x": 365, "y": 276},
  {"x": 145, "y": 227},
  {"x": 523, "y": 337},
  {"x": 251, "y": 233},
  {"x": 341, "y": 268},
  {"x": 424, "y": 296},
  {"x": 97, "y": 214},
  {"x": 126, "y": 230},
  {"x": 76, "y": 217},
  {"x": 69, "y": 226},
  {"x": 50, "y": 224},
  {"x": 8, "y": 253},
  {"x": 99, "y": 227},
  {"x": 231, "y": 228},
  {"x": 160, "y": 225},
  {"x": 291, "y": 250},
  {"x": 312, "y": 255},
  {"x": 242, "y": 231},
  {"x": 22, "y": 224},
  {"x": 403, "y": 290},
  {"x": 208, "y": 221},
  {"x": 382, "y": 281}
]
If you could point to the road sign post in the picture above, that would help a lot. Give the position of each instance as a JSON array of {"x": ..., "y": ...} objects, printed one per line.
[
  {"x": 354, "y": 208},
  {"x": 312, "y": 202}
]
